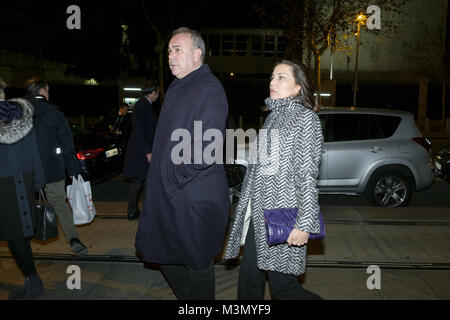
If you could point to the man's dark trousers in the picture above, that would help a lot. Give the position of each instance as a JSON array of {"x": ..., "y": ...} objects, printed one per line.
[
  {"x": 191, "y": 284},
  {"x": 137, "y": 187}
]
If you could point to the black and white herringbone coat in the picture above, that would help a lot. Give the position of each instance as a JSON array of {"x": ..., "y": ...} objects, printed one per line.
[{"x": 289, "y": 180}]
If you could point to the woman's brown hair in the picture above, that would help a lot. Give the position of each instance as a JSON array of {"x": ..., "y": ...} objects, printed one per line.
[{"x": 302, "y": 78}]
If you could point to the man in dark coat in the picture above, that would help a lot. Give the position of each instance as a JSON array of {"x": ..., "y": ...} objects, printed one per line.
[
  {"x": 183, "y": 223},
  {"x": 56, "y": 148},
  {"x": 121, "y": 125},
  {"x": 139, "y": 149}
]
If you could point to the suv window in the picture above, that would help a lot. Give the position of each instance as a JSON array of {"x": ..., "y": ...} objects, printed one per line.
[
  {"x": 388, "y": 124},
  {"x": 325, "y": 126},
  {"x": 352, "y": 127},
  {"x": 348, "y": 127}
]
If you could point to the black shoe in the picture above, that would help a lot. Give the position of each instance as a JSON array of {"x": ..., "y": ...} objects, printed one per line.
[
  {"x": 133, "y": 216},
  {"x": 77, "y": 247},
  {"x": 32, "y": 288}
]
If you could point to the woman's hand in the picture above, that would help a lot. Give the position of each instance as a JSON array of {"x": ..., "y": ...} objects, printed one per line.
[{"x": 297, "y": 238}]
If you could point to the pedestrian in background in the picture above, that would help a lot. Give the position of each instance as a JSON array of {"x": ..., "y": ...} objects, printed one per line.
[
  {"x": 139, "y": 148},
  {"x": 120, "y": 125},
  {"x": 117, "y": 122},
  {"x": 293, "y": 185},
  {"x": 56, "y": 148},
  {"x": 183, "y": 223},
  {"x": 21, "y": 174}
]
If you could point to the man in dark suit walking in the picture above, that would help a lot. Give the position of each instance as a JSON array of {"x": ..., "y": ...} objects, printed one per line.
[
  {"x": 56, "y": 149},
  {"x": 139, "y": 149}
]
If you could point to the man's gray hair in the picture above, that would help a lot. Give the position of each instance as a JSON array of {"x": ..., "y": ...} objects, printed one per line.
[
  {"x": 197, "y": 40},
  {"x": 2, "y": 85}
]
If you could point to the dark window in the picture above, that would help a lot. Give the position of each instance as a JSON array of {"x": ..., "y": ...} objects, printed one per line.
[
  {"x": 257, "y": 42},
  {"x": 269, "y": 46},
  {"x": 241, "y": 45},
  {"x": 388, "y": 124},
  {"x": 228, "y": 45},
  {"x": 214, "y": 45},
  {"x": 282, "y": 46},
  {"x": 325, "y": 126},
  {"x": 351, "y": 127},
  {"x": 348, "y": 127}
]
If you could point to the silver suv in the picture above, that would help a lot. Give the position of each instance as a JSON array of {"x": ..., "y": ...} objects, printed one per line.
[{"x": 376, "y": 152}]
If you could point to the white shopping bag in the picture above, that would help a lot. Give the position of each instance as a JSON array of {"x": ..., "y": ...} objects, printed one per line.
[{"x": 79, "y": 195}]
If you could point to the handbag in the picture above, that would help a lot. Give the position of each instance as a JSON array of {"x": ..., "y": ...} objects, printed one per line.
[
  {"x": 46, "y": 220},
  {"x": 79, "y": 195},
  {"x": 280, "y": 222}
]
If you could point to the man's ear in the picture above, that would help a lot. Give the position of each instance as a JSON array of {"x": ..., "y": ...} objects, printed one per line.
[{"x": 197, "y": 54}]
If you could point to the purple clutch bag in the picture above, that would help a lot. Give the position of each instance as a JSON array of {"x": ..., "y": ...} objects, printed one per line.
[{"x": 280, "y": 222}]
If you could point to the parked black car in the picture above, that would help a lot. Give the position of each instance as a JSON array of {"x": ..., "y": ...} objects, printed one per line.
[
  {"x": 442, "y": 163},
  {"x": 100, "y": 156}
]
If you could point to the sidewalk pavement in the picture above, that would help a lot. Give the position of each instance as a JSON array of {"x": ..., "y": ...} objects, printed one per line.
[{"x": 411, "y": 246}]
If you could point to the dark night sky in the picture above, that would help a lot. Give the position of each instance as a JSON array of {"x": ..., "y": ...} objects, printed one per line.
[{"x": 40, "y": 26}]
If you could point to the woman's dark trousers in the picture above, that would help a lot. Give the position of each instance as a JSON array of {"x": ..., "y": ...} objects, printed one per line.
[{"x": 252, "y": 281}]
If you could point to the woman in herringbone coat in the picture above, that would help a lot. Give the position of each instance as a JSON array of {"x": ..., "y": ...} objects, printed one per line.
[{"x": 285, "y": 178}]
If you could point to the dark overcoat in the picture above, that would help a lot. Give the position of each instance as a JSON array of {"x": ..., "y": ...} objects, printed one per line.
[
  {"x": 20, "y": 172},
  {"x": 55, "y": 140},
  {"x": 186, "y": 207},
  {"x": 140, "y": 143}
]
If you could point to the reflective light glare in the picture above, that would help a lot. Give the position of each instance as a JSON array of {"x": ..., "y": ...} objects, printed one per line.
[
  {"x": 132, "y": 89},
  {"x": 323, "y": 94}
]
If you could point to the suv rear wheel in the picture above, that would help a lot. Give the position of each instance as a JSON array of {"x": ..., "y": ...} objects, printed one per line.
[{"x": 389, "y": 189}]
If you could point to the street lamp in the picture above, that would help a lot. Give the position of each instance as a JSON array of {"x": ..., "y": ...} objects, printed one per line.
[{"x": 360, "y": 20}]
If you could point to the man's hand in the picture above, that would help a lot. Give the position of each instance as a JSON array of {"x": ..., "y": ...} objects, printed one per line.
[
  {"x": 298, "y": 238},
  {"x": 149, "y": 157}
]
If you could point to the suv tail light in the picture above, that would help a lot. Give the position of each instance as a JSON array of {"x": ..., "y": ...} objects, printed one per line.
[
  {"x": 90, "y": 154},
  {"x": 424, "y": 142}
]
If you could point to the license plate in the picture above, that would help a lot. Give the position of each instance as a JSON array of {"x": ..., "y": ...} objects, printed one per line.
[
  {"x": 112, "y": 153},
  {"x": 438, "y": 165}
]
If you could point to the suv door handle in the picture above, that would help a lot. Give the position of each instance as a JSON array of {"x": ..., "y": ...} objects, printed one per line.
[{"x": 375, "y": 149}]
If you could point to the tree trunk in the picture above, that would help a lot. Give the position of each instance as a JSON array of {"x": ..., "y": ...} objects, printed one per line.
[
  {"x": 444, "y": 116},
  {"x": 161, "y": 71},
  {"x": 159, "y": 49},
  {"x": 319, "y": 85}
]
